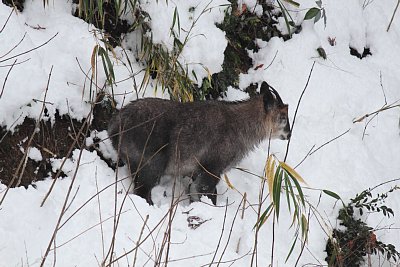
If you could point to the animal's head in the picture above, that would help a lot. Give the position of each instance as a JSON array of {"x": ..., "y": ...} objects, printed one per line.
[{"x": 276, "y": 113}]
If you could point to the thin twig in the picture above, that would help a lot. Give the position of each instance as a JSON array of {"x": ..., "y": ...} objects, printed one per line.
[
  {"x": 140, "y": 236},
  {"x": 8, "y": 18},
  {"x": 297, "y": 108},
  {"x": 260, "y": 203},
  {"x": 333, "y": 139},
  {"x": 72, "y": 146},
  {"x": 303, "y": 243},
  {"x": 241, "y": 217},
  {"x": 386, "y": 107},
  {"x": 5, "y": 79},
  {"x": 222, "y": 233},
  {"x": 273, "y": 239},
  {"x": 24, "y": 159},
  {"x": 62, "y": 212},
  {"x": 230, "y": 232},
  {"x": 366, "y": 125},
  {"x": 30, "y": 50},
  {"x": 15, "y": 46},
  {"x": 272, "y": 61},
  {"x": 141, "y": 242},
  {"x": 100, "y": 219},
  {"x": 394, "y": 13},
  {"x": 383, "y": 90},
  {"x": 85, "y": 231},
  {"x": 305, "y": 157},
  {"x": 228, "y": 261},
  {"x": 11, "y": 126},
  {"x": 386, "y": 182}
]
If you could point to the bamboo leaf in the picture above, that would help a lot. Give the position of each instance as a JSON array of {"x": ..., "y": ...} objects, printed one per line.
[
  {"x": 228, "y": 182},
  {"x": 291, "y": 248},
  {"x": 295, "y": 214},
  {"x": 93, "y": 60},
  {"x": 287, "y": 190},
  {"x": 277, "y": 190},
  {"x": 292, "y": 172},
  {"x": 292, "y": 3},
  {"x": 311, "y": 13},
  {"x": 264, "y": 217},
  {"x": 110, "y": 68},
  {"x": 299, "y": 190},
  {"x": 317, "y": 16},
  {"x": 285, "y": 17},
  {"x": 304, "y": 227},
  {"x": 270, "y": 169},
  {"x": 332, "y": 194},
  {"x": 174, "y": 19}
]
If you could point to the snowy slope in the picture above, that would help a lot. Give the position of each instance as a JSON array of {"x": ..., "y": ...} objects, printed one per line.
[{"x": 341, "y": 89}]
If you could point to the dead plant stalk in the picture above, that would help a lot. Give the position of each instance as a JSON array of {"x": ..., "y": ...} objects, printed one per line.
[{"x": 23, "y": 161}]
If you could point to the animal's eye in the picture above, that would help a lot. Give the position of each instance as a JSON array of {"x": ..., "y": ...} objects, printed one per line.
[{"x": 282, "y": 119}]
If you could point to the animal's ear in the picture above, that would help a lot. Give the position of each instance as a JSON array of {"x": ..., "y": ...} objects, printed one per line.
[
  {"x": 268, "y": 97},
  {"x": 264, "y": 88}
]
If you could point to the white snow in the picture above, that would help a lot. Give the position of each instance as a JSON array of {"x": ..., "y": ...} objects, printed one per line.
[
  {"x": 35, "y": 154},
  {"x": 341, "y": 89},
  {"x": 204, "y": 50}
]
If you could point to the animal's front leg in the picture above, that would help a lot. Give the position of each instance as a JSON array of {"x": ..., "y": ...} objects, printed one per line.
[{"x": 204, "y": 184}]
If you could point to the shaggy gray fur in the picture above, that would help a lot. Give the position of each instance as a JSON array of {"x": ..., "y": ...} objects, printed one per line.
[{"x": 201, "y": 140}]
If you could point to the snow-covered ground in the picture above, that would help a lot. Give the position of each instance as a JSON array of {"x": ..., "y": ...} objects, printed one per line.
[{"x": 342, "y": 88}]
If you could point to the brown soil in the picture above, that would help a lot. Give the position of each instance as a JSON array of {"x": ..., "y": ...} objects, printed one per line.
[{"x": 53, "y": 141}]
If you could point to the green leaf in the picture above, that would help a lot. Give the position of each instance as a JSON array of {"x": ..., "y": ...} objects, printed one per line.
[
  {"x": 194, "y": 75},
  {"x": 317, "y": 17},
  {"x": 332, "y": 194},
  {"x": 292, "y": 247},
  {"x": 324, "y": 16},
  {"x": 292, "y": 3},
  {"x": 277, "y": 190},
  {"x": 321, "y": 52},
  {"x": 287, "y": 190},
  {"x": 311, "y": 13},
  {"x": 304, "y": 227},
  {"x": 264, "y": 216},
  {"x": 298, "y": 187},
  {"x": 286, "y": 18},
  {"x": 176, "y": 20}
]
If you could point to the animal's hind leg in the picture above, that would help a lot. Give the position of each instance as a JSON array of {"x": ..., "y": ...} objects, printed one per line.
[
  {"x": 148, "y": 176},
  {"x": 204, "y": 183}
]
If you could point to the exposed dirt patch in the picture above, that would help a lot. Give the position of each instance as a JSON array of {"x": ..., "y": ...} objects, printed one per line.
[
  {"x": 53, "y": 141},
  {"x": 242, "y": 27},
  {"x": 113, "y": 26}
]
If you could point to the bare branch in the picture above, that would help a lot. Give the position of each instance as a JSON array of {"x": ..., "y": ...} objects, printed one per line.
[
  {"x": 5, "y": 79},
  {"x": 222, "y": 232},
  {"x": 22, "y": 164},
  {"x": 8, "y": 18},
  {"x": 14, "y": 47},
  {"x": 394, "y": 13},
  {"x": 340, "y": 135},
  {"x": 297, "y": 108},
  {"x": 386, "y": 107},
  {"x": 30, "y": 50}
]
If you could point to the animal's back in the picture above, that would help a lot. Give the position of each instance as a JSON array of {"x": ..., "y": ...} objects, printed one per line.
[{"x": 141, "y": 123}]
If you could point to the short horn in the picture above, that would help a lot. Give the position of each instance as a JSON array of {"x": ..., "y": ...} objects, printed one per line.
[{"x": 278, "y": 97}]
